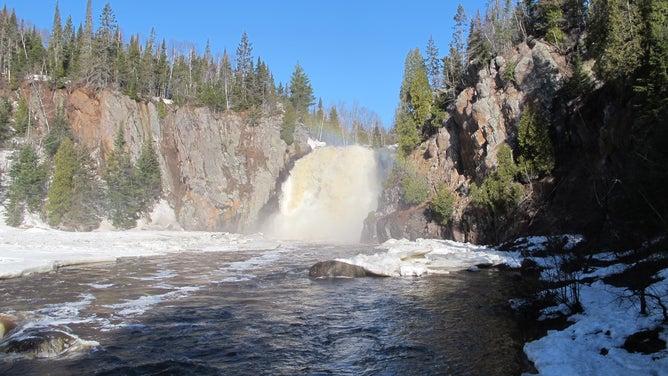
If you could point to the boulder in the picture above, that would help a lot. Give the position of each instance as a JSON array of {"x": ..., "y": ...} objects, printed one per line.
[
  {"x": 7, "y": 324},
  {"x": 339, "y": 269},
  {"x": 44, "y": 344}
]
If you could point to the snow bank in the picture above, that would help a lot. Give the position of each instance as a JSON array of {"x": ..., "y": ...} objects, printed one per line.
[
  {"x": 592, "y": 345},
  {"x": 430, "y": 256},
  {"x": 25, "y": 251}
]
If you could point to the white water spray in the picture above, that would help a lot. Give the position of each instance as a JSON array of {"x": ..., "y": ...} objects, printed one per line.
[{"x": 328, "y": 195}]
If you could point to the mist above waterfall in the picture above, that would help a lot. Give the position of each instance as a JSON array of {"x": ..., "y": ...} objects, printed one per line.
[{"x": 328, "y": 195}]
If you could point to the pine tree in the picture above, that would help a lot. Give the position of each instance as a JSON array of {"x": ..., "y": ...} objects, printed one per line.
[
  {"x": 122, "y": 187},
  {"x": 28, "y": 185},
  {"x": 85, "y": 41},
  {"x": 244, "y": 70},
  {"x": 479, "y": 46},
  {"x": 615, "y": 38},
  {"x": 5, "y": 111},
  {"x": 433, "y": 64},
  {"x": 59, "y": 195},
  {"x": 60, "y": 130},
  {"x": 536, "y": 153},
  {"x": 652, "y": 83},
  {"x": 148, "y": 177},
  {"x": 415, "y": 101},
  {"x": 98, "y": 73},
  {"x": 499, "y": 193},
  {"x": 289, "y": 123},
  {"x": 70, "y": 49},
  {"x": 55, "y": 49},
  {"x": 454, "y": 65},
  {"x": 301, "y": 92},
  {"x": 442, "y": 205},
  {"x": 87, "y": 194}
]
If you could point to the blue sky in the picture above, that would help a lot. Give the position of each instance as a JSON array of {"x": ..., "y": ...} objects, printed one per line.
[{"x": 352, "y": 51}]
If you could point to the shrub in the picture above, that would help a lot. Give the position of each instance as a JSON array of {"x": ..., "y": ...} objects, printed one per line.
[
  {"x": 499, "y": 192},
  {"x": 442, "y": 205},
  {"x": 415, "y": 188}
]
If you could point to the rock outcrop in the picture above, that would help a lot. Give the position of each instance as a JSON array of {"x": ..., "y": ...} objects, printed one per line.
[{"x": 464, "y": 149}]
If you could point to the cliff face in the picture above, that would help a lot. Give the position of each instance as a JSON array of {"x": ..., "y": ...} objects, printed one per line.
[
  {"x": 217, "y": 172},
  {"x": 464, "y": 150}
]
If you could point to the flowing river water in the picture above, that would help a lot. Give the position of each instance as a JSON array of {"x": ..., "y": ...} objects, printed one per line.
[{"x": 257, "y": 312}]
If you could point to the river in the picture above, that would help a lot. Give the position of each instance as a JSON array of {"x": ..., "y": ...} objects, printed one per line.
[{"x": 257, "y": 312}]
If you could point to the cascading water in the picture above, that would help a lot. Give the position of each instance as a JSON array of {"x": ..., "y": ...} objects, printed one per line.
[{"x": 328, "y": 194}]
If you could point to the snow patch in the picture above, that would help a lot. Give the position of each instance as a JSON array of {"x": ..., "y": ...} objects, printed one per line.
[{"x": 430, "y": 256}]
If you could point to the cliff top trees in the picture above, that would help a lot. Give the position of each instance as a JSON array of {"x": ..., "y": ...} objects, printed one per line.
[
  {"x": 415, "y": 100},
  {"x": 301, "y": 92}
]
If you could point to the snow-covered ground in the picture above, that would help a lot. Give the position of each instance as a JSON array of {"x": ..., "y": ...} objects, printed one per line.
[
  {"x": 25, "y": 251},
  {"x": 592, "y": 345}
]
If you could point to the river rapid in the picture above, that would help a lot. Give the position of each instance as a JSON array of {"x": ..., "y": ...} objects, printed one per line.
[{"x": 253, "y": 312}]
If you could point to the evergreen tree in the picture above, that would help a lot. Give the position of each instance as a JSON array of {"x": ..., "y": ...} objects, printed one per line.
[
  {"x": 442, "y": 206},
  {"x": 301, "y": 92},
  {"x": 55, "y": 48},
  {"x": 148, "y": 177},
  {"x": 21, "y": 117},
  {"x": 243, "y": 71},
  {"x": 552, "y": 18},
  {"x": 28, "y": 184},
  {"x": 433, "y": 64},
  {"x": 615, "y": 38},
  {"x": 454, "y": 65},
  {"x": 120, "y": 177},
  {"x": 479, "y": 46},
  {"x": 87, "y": 194},
  {"x": 415, "y": 102},
  {"x": 70, "y": 49},
  {"x": 652, "y": 83},
  {"x": 99, "y": 73},
  {"x": 499, "y": 193},
  {"x": 5, "y": 112},
  {"x": 60, "y": 130},
  {"x": 536, "y": 153},
  {"x": 59, "y": 195},
  {"x": 85, "y": 41},
  {"x": 289, "y": 123}
]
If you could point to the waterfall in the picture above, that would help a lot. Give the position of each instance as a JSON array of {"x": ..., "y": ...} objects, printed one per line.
[{"x": 328, "y": 195}]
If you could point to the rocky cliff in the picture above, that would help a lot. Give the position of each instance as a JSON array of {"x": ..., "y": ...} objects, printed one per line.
[
  {"x": 463, "y": 151},
  {"x": 217, "y": 171}
]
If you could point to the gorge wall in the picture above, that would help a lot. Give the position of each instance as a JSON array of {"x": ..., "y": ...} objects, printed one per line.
[
  {"x": 463, "y": 151},
  {"x": 217, "y": 171}
]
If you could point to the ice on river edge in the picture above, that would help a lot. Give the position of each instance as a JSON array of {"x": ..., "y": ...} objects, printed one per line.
[
  {"x": 40, "y": 249},
  {"x": 405, "y": 258}
]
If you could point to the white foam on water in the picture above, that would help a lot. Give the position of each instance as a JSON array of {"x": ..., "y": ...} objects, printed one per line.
[{"x": 139, "y": 306}]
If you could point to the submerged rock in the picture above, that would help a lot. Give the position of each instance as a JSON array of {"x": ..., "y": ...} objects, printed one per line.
[
  {"x": 44, "y": 344},
  {"x": 339, "y": 269}
]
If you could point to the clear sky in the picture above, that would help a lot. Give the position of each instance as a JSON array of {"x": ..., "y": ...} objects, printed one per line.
[{"x": 352, "y": 50}]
